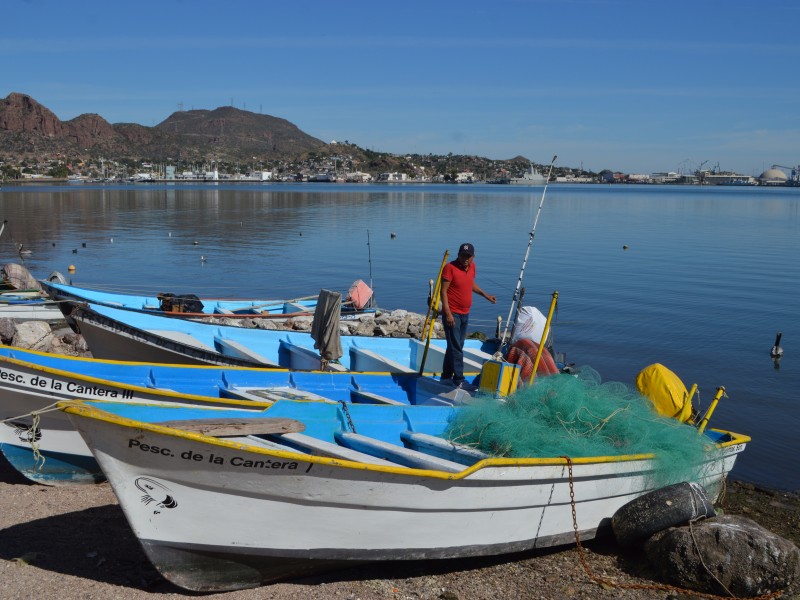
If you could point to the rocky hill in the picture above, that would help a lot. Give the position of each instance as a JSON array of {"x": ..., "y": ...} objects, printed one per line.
[
  {"x": 226, "y": 133},
  {"x": 32, "y": 134}
]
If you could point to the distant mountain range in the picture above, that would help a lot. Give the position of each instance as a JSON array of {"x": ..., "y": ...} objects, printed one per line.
[{"x": 223, "y": 134}]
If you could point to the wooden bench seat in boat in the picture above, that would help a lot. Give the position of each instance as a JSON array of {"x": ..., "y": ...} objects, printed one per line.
[
  {"x": 442, "y": 448},
  {"x": 435, "y": 358},
  {"x": 396, "y": 454},
  {"x": 181, "y": 338},
  {"x": 272, "y": 394},
  {"x": 317, "y": 447},
  {"x": 227, "y": 427},
  {"x": 477, "y": 356},
  {"x": 365, "y": 360},
  {"x": 364, "y": 397},
  {"x": 265, "y": 443},
  {"x": 291, "y": 307},
  {"x": 306, "y": 359},
  {"x": 234, "y": 349}
]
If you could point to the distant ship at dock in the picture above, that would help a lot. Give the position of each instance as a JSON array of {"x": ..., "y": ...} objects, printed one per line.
[{"x": 531, "y": 176}]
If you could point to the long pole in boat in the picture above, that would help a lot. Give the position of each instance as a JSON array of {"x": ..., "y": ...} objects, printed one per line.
[
  {"x": 433, "y": 310},
  {"x": 369, "y": 259},
  {"x": 515, "y": 299}
]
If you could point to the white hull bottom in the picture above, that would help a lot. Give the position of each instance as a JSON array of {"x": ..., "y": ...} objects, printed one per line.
[{"x": 223, "y": 516}]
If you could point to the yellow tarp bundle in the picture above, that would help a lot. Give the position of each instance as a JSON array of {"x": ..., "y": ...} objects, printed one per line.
[{"x": 666, "y": 391}]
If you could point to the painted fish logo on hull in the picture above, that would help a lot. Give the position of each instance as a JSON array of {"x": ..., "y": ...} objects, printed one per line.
[
  {"x": 152, "y": 490},
  {"x": 25, "y": 433}
]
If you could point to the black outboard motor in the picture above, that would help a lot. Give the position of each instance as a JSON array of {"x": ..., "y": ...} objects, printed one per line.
[{"x": 187, "y": 303}]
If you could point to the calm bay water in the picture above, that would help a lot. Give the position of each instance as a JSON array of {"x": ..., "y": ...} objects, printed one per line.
[{"x": 709, "y": 277}]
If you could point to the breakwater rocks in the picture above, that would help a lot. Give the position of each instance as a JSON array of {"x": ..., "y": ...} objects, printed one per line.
[
  {"x": 38, "y": 335},
  {"x": 396, "y": 323}
]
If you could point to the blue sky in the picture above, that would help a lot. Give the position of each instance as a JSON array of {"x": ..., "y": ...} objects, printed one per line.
[{"x": 631, "y": 85}]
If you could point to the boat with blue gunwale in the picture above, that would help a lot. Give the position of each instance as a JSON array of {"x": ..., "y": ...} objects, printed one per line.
[
  {"x": 357, "y": 484},
  {"x": 189, "y": 306},
  {"x": 29, "y": 306},
  {"x": 117, "y": 334},
  {"x": 46, "y": 449}
]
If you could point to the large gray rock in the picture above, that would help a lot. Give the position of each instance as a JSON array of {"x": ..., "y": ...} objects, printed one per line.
[
  {"x": 366, "y": 328},
  {"x": 8, "y": 328},
  {"x": 300, "y": 323},
  {"x": 32, "y": 334},
  {"x": 743, "y": 556},
  {"x": 271, "y": 324}
]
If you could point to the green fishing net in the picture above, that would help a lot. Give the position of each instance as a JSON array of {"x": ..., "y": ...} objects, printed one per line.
[{"x": 579, "y": 416}]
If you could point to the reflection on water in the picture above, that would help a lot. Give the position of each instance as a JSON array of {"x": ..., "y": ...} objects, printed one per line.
[{"x": 708, "y": 277}]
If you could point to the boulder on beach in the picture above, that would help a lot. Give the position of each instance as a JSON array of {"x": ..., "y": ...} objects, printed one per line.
[{"x": 727, "y": 554}]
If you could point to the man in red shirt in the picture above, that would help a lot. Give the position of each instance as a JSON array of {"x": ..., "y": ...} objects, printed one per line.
[{"x": 458, "y": 284}]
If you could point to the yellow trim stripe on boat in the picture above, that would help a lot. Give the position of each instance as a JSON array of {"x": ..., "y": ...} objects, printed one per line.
[
  {"x": 168, "y": 394},
  {"x": 91, "y": 412}
]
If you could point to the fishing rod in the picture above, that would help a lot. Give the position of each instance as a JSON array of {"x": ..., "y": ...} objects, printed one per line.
[
  {"x": 516, "y": 298},
  {"x": 369, "y": 259}
]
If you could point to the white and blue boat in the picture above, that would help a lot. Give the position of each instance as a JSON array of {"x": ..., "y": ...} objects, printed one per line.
[
  {"x": 117, "y": 334},
  {"x": 348, "y": 484},
  {"x": 29, "y": 306},
  {"x": 183, "y": 306},
  {"x": 42, "y": 445}
]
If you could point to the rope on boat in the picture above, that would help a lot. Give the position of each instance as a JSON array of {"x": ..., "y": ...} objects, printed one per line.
[
  {"x": 38, "y": 457},
  {"x": 33, "y": 431},
  {"x": 33, "y": 414}
]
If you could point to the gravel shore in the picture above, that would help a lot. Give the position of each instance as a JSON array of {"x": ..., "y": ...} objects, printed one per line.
[{"x": 74, "y": 542}]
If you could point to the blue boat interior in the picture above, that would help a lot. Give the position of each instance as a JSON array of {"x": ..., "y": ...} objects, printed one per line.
[
  {"x": 233, "y": 383},
  {"x": 274, "y": 345},
  {"x": 213, "y": 306},
  {"x": 404, "y": 436}
]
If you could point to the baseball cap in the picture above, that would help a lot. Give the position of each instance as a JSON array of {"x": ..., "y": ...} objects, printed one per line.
[{"x": 467, "y": 249}]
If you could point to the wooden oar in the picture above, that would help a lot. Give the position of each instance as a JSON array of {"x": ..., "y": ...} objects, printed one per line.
[{"x": 237, "y": 427}]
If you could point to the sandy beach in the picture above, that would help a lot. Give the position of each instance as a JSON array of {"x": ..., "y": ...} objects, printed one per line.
[{"x": 74, "y": 542}]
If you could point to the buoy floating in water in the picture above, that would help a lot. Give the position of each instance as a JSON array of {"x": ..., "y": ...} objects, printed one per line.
[
  {"x": 71, "y": 268},
  {"x": 777, "y": 351},
  {"x": 625, "y": 247}
]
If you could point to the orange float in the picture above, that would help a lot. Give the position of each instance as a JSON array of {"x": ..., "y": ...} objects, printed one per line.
[{"x": 523, "y": 353}]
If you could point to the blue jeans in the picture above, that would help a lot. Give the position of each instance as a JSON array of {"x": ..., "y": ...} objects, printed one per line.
[{"x": 454, "y": 356}]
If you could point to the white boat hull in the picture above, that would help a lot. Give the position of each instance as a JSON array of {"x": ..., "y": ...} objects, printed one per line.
[
  {"x": 269, "y": 515},
  {"x": 61, "y": 456},
  {"x": 31, "y": 311}
]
